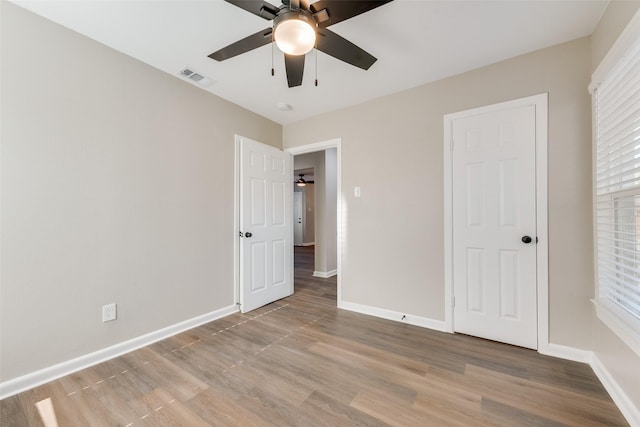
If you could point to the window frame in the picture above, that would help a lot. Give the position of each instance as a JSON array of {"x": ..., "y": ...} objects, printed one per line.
[{"x": 624, "y": 324}]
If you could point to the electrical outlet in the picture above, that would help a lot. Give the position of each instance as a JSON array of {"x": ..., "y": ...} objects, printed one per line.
[{"x": 109, "y": 312}]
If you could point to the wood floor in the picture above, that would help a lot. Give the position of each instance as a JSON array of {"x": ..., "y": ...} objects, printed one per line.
[{"x": 302, "y": 362}]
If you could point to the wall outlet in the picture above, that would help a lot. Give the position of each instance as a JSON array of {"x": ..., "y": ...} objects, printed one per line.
[{"x": 109, "y": 312}]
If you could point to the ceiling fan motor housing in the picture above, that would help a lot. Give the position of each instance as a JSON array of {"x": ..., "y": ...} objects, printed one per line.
[{"x": 301, "y": 14}]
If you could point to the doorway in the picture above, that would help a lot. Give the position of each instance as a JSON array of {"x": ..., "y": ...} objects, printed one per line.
[
  {"x": 327, "y": 241},
  {"x": 495, "y": 222},
  {"x": 304, "y": 205}
]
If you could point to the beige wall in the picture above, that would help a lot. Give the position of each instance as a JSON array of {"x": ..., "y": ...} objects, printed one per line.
[
  {"x": 117, "y": 186},
  {"x": 620, "y": 361},
  {"x": 393, "y": 257}
]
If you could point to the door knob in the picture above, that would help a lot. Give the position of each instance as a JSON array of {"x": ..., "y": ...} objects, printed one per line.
[
  {"x": 248, "y": 234},
  {"x": 526, "y": 239}
]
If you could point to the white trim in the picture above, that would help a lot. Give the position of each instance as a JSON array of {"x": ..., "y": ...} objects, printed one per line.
[
  {"x": 437, "y": 325},
  {"x": 316, "y": 146},
  {"x": 629, "y": 409},
  {"x": 448, "y": 223},
  {"x": 34, "y": 379},
  {"x": 542, "y": 228},
  {"x": 628, "y": 35},
  {"x": 619, "y": 322},
  {"x": 565, "y": 352},
  {"x": 325, "y": 274},
  {"x": 340, "y": 221},
  {"x": 627, "y": 406},
  {"x": 542, "y": 268},
  {"x": 236, "y": 220}
]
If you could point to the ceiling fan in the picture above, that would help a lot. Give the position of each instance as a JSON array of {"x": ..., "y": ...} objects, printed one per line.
[
  {"x": 301, "y": 182},
  {"x": 299, "y": 26}
]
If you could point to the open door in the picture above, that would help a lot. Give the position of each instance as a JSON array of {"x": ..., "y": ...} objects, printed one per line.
[{"x": 266, "y": 224}]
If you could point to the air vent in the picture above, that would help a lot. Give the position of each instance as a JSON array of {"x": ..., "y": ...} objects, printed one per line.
[{"x": 198, "y": 78}]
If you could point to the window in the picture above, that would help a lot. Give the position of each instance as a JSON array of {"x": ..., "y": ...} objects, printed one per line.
[{"x": 616, "y": 101}]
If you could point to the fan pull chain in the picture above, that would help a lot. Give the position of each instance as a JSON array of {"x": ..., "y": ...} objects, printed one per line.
[
  {"x": 316, "y": 67},
  {"x": 273, "y": 73}
]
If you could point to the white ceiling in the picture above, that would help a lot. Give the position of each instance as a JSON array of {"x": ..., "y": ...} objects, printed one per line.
[{"x": 415, "y": 41}]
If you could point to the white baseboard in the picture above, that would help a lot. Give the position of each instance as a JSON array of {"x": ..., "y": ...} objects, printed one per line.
[
  {"x": 565, "y": 352},
  {"x": 325, "y": 274},
  {"x": 34, "y": 379},
  {"x": 438, "y": 325},
  {"x": 629, "y": 408}
]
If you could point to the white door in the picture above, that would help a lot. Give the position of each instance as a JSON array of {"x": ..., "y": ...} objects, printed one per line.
[
  {"x": 298, "y": 223},
  {"x": 266, "y": 243},
  {"x": 494, "y": 225}
]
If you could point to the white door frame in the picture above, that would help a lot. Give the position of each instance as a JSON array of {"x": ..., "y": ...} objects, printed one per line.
[
  {"x": 236, "y": 220},
  {"x": 542, "y": 248},
  {"x": 341, "y": 238}
]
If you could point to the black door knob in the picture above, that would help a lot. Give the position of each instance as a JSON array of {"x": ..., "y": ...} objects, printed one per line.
[
  {"x": 248, "y": 234},
  {"x": 526, "y": 239}
]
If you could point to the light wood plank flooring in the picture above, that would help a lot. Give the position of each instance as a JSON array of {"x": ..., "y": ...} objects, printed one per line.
[{"x": 302, "y": 362}]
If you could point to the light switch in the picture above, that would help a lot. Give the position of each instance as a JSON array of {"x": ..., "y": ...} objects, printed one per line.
[{"x": 356, "y": 191}]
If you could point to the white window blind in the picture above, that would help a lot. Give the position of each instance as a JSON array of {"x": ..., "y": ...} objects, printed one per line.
[{"x": 617, "y": 186}]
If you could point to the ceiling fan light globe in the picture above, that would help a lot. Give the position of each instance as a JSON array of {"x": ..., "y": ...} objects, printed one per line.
[{"x": 295, "y": 37}]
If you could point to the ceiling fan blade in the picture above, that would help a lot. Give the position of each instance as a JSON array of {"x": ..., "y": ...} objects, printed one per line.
[
  {"x": 339, "y": 10},
  {"x": 342, "y": 49},
  {"x": 251, "y": 42},
  {"x": 294, "y": 4},
  {"x": 294, "y": 65},
  {"x": 259, "y": 8}
]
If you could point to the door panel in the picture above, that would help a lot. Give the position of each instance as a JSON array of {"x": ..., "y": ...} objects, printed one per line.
[
  {"x": 475, "y": 280},
  {"x": 266, "y": 245},
  {"x": 494, "y": 193}
]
